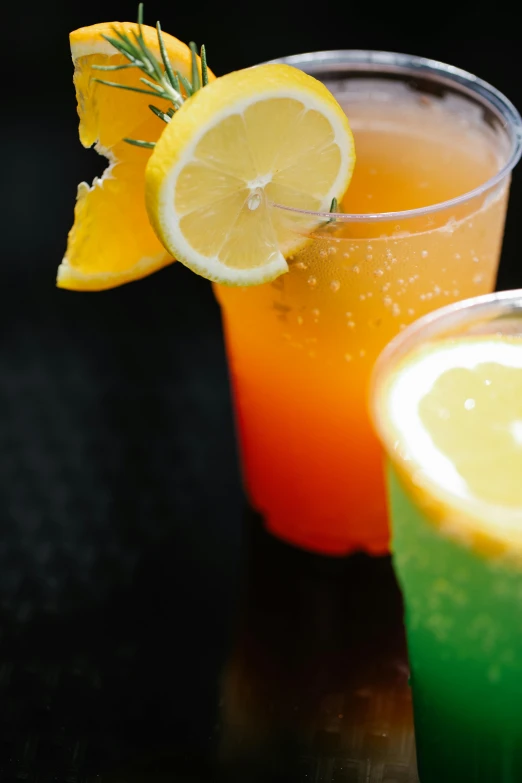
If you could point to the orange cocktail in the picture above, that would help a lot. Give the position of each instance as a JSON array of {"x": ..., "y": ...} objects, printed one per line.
[{"x": 423, "y": 227}]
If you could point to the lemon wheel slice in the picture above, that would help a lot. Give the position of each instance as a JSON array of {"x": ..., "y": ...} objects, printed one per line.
[
  {"x": 112, "y": 241},
  {"x": 451, "y": 413},
  {"x": 267, "y": 134}
]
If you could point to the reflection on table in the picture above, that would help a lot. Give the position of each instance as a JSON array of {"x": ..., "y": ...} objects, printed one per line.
[{"x": 316, "y": 684}]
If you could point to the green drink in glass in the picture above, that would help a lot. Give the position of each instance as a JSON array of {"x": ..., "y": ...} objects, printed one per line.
[{"x": 447, "y": 405}]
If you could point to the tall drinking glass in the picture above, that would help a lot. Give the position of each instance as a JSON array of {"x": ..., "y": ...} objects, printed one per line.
[
  {"x": 460, "y": 566},
  {"x": 421, "y": 225}
]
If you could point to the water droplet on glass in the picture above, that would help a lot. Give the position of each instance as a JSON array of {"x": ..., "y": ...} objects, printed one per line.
[
  {"x": 436, "y": 290},
  {"x": 374, "y": 323},
  {"x": 396, "y": 310},
  {"x": 469, "y": 404},
  {"x": 362, "y": 297},
  {"x": 362, "y": 353},
  {"x": 323, "y": 253},
  {"x": 369, "y": 256},
  {"x": 378, "y": 272},
  {"x": 388, "y": 301},
  {"x": 301, "y": 265},
  {"x": 351, "y": 324},
  {"x": 312, "y": 281},
  {"x": 316, "y": 313},
  {"x": 348, "y": 315},
  {"x": 356, "y": 269},
  {"x": 300, "y": 320},
  {"x": 411, "y": 311},
  {"x": 478, "y": 279},
  {"x": 348, "y": 357},
  {"x": 457, "y": 256},
  {"x": 424, "y": 254},
  {"x": 335, "y": 286},
  {"x": 487, "y": 382},
  {"x": 332, "y": 250},
  {"x": 475, "y": 259}
]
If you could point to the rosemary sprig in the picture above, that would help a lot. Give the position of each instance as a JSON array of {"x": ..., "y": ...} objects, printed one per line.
[
  {"x": 187, "y": 86},
  {"x": 149, "y": 145},
  {"x": 166, "y": 62},
  {"x": 333, "y": 208},
  {"x": 160, "y": 79},
  {"x": 196, "y": 79},
  {"x": 204, "y": 67},
  {"x": 161, "y": 114}
]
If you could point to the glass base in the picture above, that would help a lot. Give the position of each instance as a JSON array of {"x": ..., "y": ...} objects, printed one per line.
[{"x": 324, "y": 545}]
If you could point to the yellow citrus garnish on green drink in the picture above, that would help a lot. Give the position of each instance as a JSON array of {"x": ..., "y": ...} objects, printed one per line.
[
  {"x": 264, "y": 135},
  {"x": 453, "y": 412},
  {"x": 218, "y": 153}
]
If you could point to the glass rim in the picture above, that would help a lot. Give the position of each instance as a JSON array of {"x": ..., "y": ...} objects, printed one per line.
[
  {"x": 437, "y": 322},
  {"x": 392, "y": 62},
  {"x": 472, "y": 520}
]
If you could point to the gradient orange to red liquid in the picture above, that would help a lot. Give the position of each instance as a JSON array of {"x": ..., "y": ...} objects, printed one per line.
[{"x": 301, "y": 349}]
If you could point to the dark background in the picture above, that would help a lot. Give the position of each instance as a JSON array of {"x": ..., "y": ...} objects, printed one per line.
[{"x": 131, "y": 576}]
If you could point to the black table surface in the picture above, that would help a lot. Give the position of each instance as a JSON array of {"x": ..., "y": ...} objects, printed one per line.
[{"x": 150, "y": 629}]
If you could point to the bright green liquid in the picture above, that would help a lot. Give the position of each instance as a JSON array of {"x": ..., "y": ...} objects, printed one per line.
[{"x": 464, "y": 626}]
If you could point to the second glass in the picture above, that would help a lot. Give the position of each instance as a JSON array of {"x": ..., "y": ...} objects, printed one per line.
[
  {"x": 421, "y": 225},
  {"x": 459, "y": 562}
]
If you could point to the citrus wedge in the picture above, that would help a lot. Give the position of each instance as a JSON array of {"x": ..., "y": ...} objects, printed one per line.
[
  {"x": 263, "y": 135},
  {"x": 111, "y": 241},
  {"x": 452, "y": 414}
]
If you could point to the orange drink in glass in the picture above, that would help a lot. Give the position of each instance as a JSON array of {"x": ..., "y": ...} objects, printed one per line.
[{"x": 421, "y": 226}]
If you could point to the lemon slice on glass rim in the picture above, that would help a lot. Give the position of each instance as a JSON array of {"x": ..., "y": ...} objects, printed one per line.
[
  {"x": 265, "y": 135},
  {"x": 452, "y": 413}
]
